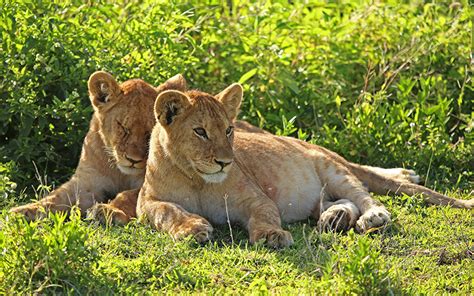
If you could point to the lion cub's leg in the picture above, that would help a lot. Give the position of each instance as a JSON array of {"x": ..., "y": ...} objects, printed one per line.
[
  {"x": 119, "y": 211},
  {"x": 340, "y": 183},
  {"x": 264, "y": 223},
  {"x": 340, "y": 215},
  {"x": 80, "y": 191},
  {"x": 400, "y": 174},
  {"x": 175, "y": 220}
]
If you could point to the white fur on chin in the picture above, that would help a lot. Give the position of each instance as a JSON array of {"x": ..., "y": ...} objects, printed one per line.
[
  {"x": 130, "y": 171},
  {"x": 214, "y": 178}
]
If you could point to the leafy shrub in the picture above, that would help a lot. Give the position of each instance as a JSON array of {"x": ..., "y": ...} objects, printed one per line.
[
  {"x": 49, "y": 50},
  {"x": 7, "y": 186}
]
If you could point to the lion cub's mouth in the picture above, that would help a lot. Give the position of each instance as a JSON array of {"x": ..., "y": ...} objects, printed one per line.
[{"x": 130, "y": 170}]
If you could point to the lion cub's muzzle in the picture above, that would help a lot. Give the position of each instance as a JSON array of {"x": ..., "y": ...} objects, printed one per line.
[
  {"x": 136, "y": 162},
  {"x": 131, "y": 165},
  {"x": 223, "y": 163},
  {"x": 215, "y": 172}
]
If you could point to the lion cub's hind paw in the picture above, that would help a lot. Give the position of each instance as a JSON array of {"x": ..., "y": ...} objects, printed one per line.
[
  {"x": 404, "y": 175},
  {"x": 373, "y": 218},
  {"x": 338, "y": 218},
  {"x": 411, "y": 176}
]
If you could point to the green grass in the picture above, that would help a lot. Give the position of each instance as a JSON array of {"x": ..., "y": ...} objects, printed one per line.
[
  {"x": 386, "y": 84},
  {"x": 427, "y": 250}
]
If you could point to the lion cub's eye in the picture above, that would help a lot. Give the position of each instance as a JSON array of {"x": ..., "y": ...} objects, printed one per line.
[
  {"x": 201, "y": 132},
  {"x": 229, "y": 131}
]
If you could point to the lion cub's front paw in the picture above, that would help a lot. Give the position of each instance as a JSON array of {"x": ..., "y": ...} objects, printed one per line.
[
  {"x": 275, "y": 238},
  {"x": 373, "y": 218},
  {"x": 195, "y": 226},
  {"x": 107, "y": 214},
  {"x": 31, "y": 211}
]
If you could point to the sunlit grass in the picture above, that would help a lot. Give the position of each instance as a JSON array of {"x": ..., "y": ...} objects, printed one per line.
[{"x": 427, "y": 250}]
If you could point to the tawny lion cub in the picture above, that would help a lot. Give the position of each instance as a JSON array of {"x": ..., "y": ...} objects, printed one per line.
[
  {"x": 193, "y": 172},
  {"x": 114, "y": 152},
  {"x": 199, "y": 169}
]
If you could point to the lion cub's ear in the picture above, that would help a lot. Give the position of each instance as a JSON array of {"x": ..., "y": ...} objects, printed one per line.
[
  {"x": 102, "y": 88},
  {"x": 168, "y": 105},
  {"x": 176, "y": 82},
  {"x": 231, "y": 98}
]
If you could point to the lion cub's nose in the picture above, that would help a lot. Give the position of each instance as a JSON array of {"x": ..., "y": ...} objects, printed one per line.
[
  {"x": 223, "y": 162},
  {"x": 133, "y": 160}
]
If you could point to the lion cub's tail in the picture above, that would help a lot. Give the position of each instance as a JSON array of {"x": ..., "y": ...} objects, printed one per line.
[{"x": 383, "y": 185}]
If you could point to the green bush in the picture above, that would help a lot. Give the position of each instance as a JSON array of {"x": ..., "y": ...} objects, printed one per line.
[{"x": 383, "y": 84}]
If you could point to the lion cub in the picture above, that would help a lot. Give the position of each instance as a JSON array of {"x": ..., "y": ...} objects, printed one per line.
[
  {"x": 193, "y": 171},
  {"x": 199, "y": 170},
  {"x": 114, "y": 152}
]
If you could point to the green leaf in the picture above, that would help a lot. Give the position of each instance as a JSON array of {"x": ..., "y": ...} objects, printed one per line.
[
  {"x": 248, "y": 75},
  {"x": 338, "y": 101}
]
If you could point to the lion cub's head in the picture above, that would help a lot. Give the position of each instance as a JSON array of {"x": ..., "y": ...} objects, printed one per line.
[
  {"x": 125, "y": 116},
  {"x": 195, "y": 130}
]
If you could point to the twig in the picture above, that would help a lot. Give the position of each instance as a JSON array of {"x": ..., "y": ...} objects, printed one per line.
[{"x": 228, "y": 219}]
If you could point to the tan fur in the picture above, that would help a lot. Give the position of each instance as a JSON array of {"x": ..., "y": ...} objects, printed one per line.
[
  {"x": 394, "y": 181},
  {"x": 267, "y": 179},
  {"x": 114, "y": 151},
  {"x": 247, "y": 127},
  {"x": 119, "y": 211}
]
